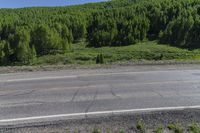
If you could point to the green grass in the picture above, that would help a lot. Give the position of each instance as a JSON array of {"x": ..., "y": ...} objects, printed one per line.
[
  {"x": 121, "y": 131},
  {"x": 194, "y": 128},
  {"x": 177, "y": 128},
  {"x": 96, "y": 130},
  {"x": 150, "y": 51},
  {"x": 159, "y": 129},
  {"x": 141, "y": 127},
  {"x": 174, "y": 127}
]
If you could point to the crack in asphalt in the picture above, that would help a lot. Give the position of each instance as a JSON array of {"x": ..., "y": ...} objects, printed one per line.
[
  {"x": 24, "y": 93},
  {"x": 7, "y": 94},
  {"x": 75, "y": 94},
  {"x": 15, "y": 93},
  {"x": 113, "y": 93},
  {"x": 92, "y": 102},
  {"x": 157, "y": 93}
]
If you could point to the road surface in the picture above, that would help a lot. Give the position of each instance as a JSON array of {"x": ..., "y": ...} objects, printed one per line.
[{"x": 37, "y": 95}]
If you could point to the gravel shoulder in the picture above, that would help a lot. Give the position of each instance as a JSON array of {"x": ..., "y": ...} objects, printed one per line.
[
  {"x": 111, "y": 123},
  {"x": 141, "y": 65}
]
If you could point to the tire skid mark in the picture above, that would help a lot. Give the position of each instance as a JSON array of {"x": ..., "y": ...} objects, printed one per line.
[
  {"x": 92, "y": 102},
  {"x": 74, "y": 96},
  {"x": 113, "y": 93}
]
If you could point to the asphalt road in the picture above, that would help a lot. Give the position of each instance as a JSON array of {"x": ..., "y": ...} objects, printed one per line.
[{"x": 38, "y": 94}]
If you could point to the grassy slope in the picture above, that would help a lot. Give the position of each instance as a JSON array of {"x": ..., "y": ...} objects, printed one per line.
[{"x": 141, "y": 51}]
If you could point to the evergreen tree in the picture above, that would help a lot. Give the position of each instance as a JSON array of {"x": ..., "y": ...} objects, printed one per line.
[
  {"x": 22, "y": 52},
  {"x": 99, "y": 59},
  {"x": 45, "y": 40},
  {"x": 2, "y": 53}
]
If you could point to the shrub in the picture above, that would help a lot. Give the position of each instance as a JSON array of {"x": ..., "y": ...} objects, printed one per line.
[
  {"x": 141, "y": 126},
  {"x": 175, "y": 127},
  {"x": 99, "y": 59}
]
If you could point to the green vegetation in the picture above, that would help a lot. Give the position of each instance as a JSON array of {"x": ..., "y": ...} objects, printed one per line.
[
  {"x": 96, "y": 130},
  {"x": 31, "y": 36},
  {"x": 83, "y": 55},
  {"x": 99, "y": 59},
  {"x": 159, "y": 129},
  {"x": 77, "y": 131},
  {"x": 194, "y": 128},
  {"x": 121, "y": 131},
  {"x": 141, "y": 127},
  {"x": 177, "y": 128}
]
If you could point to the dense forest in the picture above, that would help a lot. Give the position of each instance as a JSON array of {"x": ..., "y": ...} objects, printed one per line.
[{"x": 28, "y": 33}]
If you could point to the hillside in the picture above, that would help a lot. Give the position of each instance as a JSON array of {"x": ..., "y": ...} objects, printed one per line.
[{"x": 30, "y": 33}]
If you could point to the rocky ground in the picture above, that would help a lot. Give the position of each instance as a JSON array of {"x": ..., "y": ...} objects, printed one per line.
[
  {"x": 124, "y": 123},
  {"x": 139, "y": 64}
]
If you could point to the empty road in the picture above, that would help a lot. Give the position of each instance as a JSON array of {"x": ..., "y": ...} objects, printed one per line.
[{"x": 36, "y": 95}]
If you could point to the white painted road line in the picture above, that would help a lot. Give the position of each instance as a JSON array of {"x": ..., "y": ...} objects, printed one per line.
[{"x": 99, "y": 113}]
